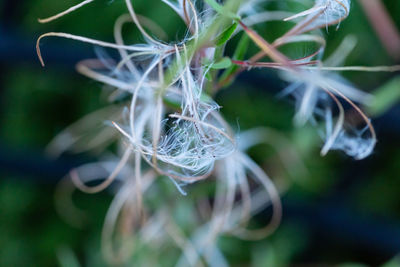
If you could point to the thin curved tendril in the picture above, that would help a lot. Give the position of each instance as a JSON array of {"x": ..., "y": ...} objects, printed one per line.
[
  {"x": 136, "y": 21},
  {"x": 95, "y": 189},
  {"x": 69, "y": 10},
  {"x": 85, "y": 40},
  {"x": 394, "y": 68},
  {"x": 274, "y": 197},
  {"x": 338, "y": 126},
  {"x": 362, "y": 114}
]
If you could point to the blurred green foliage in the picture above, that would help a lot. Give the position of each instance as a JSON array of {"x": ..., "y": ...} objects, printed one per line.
[{"x": 385, "y": 97}]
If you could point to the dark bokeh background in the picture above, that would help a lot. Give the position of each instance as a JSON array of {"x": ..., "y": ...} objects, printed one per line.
[{"x": 342, "y": 211}]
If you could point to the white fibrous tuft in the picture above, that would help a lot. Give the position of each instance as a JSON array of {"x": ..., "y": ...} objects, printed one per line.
[
  {"x": 182, "y": 145},
  {"x": 355, "y": 145},
  {"x": 323, "y": 14},
  {"x": 314, "y": 98},
  {"x": 316, "y": 90},
  {"x": 334, "y": 11},
  {"x": 188, "y": 144}
]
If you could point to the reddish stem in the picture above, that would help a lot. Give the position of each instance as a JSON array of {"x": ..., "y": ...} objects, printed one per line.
[{"x": 383, "y": 25}]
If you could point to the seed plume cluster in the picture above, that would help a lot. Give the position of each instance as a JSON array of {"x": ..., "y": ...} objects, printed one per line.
[{"x": 166, "y": 125}]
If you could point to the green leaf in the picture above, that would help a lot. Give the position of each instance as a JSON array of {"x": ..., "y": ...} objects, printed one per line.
[
  {"x": 241, "y": 49},
  {"x": 206, "y": 98},
  {"x": 385, "y": 97},
  {"x": 221, "y": 10},
  {"x": 226, "y": 34},
  {"x": 222, "y": 64},
  {"x": 239, "y": 54},
  {"x": 208, "y": 76},
  {"x": 172, "y": 103}
]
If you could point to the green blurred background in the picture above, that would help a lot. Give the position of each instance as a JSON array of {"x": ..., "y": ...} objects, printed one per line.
[{"x": 342, "y": 211}]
